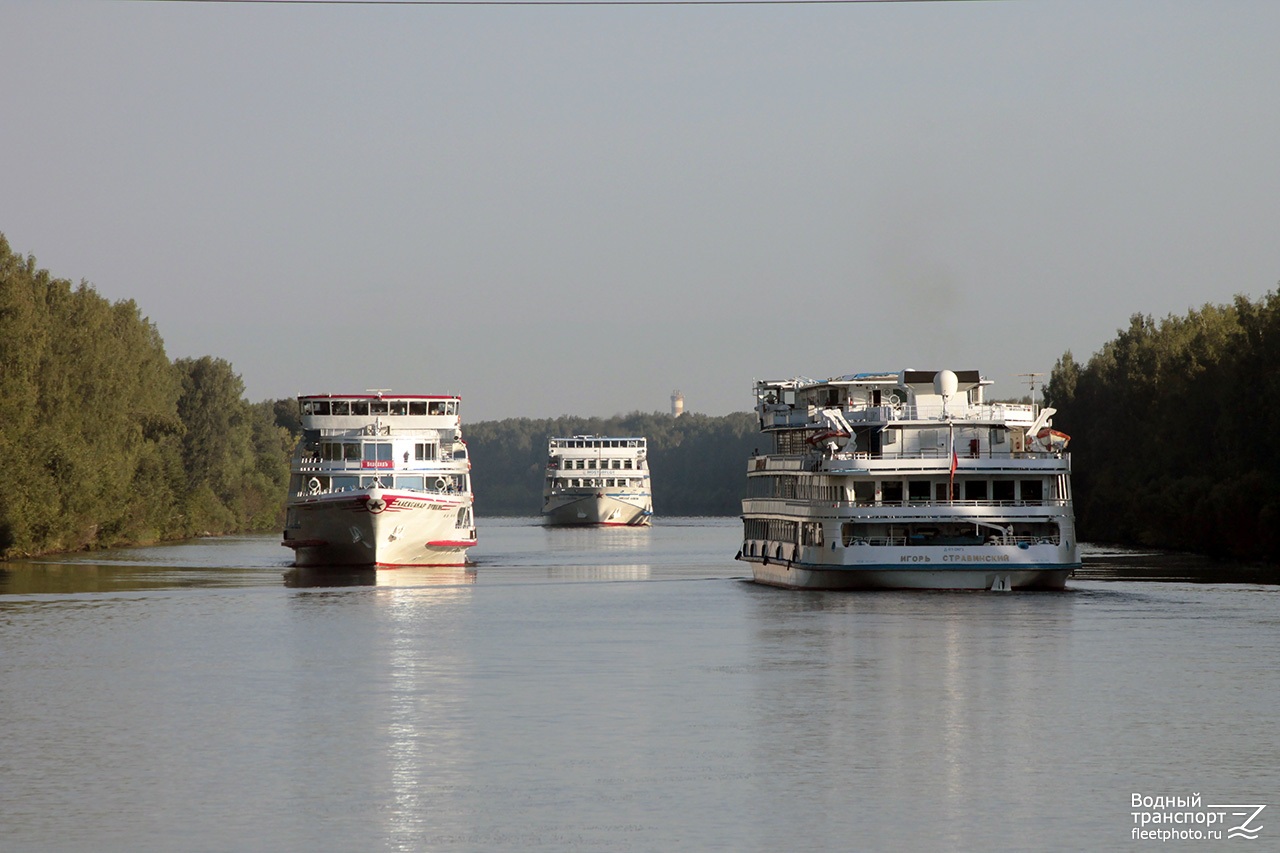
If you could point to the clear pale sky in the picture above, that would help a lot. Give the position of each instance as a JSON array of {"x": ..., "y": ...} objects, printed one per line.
[{"x": 555, "y": 210}]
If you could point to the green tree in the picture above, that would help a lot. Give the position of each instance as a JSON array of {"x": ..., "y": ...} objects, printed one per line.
[{"x": 1169, "y": 424}]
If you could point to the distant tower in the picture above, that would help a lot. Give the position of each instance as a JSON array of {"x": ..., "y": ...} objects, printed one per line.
[{"x": 677, "y": 404}]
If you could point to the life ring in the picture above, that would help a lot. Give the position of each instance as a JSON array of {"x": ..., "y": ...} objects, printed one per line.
[
  {"x": 371, "y": 429},
  {"x": 440, "y": 484},
  {"x": 313, "y": 485}
]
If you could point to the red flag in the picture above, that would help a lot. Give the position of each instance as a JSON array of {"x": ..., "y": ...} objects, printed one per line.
[{"x": 951, "y": 483}]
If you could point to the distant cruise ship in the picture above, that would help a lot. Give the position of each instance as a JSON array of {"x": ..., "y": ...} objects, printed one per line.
[
  {"x": 380, "y": 480},
  {"x": 597, "y": 480},
  {"x": 906, "y": 480}
]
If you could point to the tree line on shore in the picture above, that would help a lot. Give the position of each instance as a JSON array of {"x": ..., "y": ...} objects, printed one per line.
[
  {"x": 108, "y": 442},
  {"x": 1174, "y": 427}
]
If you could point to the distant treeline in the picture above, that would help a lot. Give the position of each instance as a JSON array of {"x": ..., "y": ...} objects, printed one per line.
[
  {"x": 105, "y": 441},
  {"x": 1175, "y": 432},
  {"x": 697, "y": 463}
]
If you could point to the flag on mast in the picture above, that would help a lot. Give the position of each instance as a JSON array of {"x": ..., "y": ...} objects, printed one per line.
[{"x": 951, "y": 484}]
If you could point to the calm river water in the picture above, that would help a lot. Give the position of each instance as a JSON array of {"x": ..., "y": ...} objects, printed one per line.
[{"x": 619, "y": 690}]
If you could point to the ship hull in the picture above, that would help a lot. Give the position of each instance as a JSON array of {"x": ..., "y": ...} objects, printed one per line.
[
  {"x": 791, "y": 576},
  {"x": 596, "y": 509},
  {"x": 376, "y": 528},
  {"x": 998, "y": 567}
]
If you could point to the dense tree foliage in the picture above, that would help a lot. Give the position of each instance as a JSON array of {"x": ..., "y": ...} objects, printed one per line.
[
  {"x": 698, "y": 463},
  {"x": 1173, "y": 425},
  {"x": 107, "y": 442}
]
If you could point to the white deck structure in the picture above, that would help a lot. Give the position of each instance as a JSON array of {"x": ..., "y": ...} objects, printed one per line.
[
  {"x": 597, "y": 480},
  {"x": 906, "y": 480},
  {"x": 380, "y": 480}
]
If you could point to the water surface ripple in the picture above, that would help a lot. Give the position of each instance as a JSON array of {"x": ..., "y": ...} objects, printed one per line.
[{"x": 614, "y": 690}]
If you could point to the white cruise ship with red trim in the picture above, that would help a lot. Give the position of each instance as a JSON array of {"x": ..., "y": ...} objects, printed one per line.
[
  {"x": 906, "y": 480},
  {"x": 380, "y": 480}
]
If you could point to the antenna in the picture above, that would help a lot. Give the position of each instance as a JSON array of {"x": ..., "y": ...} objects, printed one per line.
[{"x": 1030, "y": 379}]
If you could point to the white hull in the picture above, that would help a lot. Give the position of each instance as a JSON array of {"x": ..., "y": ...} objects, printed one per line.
[
  {"x": 379, "y": 528},
  {"x": 997, "y": 568},
  {"x": 597, "y": 508}
]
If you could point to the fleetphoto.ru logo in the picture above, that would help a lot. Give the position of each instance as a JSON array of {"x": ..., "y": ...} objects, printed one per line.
[{"x": 1189, "y": 818}]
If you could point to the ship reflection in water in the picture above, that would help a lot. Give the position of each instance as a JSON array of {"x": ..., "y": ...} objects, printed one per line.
[{"x": 330, "y": 576}]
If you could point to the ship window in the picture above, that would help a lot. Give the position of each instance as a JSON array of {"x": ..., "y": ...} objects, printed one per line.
[
  {"x": 424, "y": 451},
  {"x": 975, "y": 490},
  {"x": 342, "y": 407},
  {"x": 864, "y": 491},
  {"x": 336, "y": 452},
  {"x": 377, "y": 451},
  {"x": 918, "y": 490},
  {"x": 1002, "y": 490},
  {"x": 626, "y": 463},
  {"x": 379, "y": 407},
  {"x": 418, "y": 407},
  {"x": 320, "y": 407},
  {"x": 410, "y": 482},
  {"x": 359, "y": 407},
  {"x": 891, "y": 491},
  {"x": 340, "y": 483},
  {"x": 399, "y": 407},
  {"x": 1032, "y": 491}
]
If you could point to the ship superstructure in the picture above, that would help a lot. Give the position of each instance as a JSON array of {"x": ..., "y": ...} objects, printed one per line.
[
  {"x": 380, "y": 480},
  {"x": 597, "y": 480},
  {"x": 906, "y": 480}
]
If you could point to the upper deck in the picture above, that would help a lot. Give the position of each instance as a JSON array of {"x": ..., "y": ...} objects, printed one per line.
[
  {"x": 882, "y": 398},
  {"x": 912, "y": 413},
  {"x": 591, "y": 446},
  {"x": 344, "y": 414}
]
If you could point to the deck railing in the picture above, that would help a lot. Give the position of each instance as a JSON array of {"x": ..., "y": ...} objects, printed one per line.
[
  {"x": 941, "y": 455},
  {"x": 902, "y": 541},
  {"x": 782, "y": 415}
]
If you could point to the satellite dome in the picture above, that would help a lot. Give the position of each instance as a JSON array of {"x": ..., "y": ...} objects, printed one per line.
[{"x": 945, "y": 383}]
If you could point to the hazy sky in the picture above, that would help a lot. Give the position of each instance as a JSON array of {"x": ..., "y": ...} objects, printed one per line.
[{"x": 555, "y": 210}]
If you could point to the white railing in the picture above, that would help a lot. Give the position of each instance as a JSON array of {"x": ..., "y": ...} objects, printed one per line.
[
  {"x": 903, "y": 541},
  {"x": 783, "y": 415},
  {"x": 955, "y": 503}
]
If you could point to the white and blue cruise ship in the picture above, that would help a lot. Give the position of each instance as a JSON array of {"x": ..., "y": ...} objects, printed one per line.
[{"x": 906, "y": 480}]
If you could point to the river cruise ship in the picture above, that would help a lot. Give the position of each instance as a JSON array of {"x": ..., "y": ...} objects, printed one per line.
[
  {"x": 380, "y": 480},
  {"x": 906, "y": 480},
  {"x": 597, "y": 480}
]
